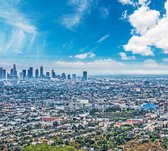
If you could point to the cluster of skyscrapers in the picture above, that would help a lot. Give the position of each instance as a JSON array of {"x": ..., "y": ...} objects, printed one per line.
[{"x": 38, "y": 73}]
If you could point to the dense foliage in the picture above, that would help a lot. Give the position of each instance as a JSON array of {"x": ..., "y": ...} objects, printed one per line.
[{"x": 45, "y": 147}]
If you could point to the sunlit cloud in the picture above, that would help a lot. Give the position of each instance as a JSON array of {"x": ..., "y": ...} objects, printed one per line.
[{"x": 149, "y": 32}]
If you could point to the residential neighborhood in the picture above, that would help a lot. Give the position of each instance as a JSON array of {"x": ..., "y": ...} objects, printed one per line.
[{"x": 96, "y": 114}]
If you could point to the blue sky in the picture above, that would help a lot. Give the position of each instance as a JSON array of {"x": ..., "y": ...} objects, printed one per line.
[{"x": 101, "y": 36}]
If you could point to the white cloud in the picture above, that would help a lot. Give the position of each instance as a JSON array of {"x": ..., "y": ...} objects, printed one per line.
[
  {"x": 143, "y": 2},
  {"x": 103, "y": 38},
  {"x": 84, "y": 55},
  {"x": 134, "y": 2},
  {"x": 96, "y": 67},
  {"x": 124, "y": 15},
  {"x": 109, "y": 66},
  {"x": 166, "y": 7},
  {"x": 9, "y": 14},
  {"x": 139, "y": 45},
  {"x": 16, "y": 29},
  {"x": 80, "y": 9},
  {"x": 125, "y": 57},
  {"x": 152, "y": 31},
  {"x": 143, "y": 19},
  {"x": 126, "y": 2}
]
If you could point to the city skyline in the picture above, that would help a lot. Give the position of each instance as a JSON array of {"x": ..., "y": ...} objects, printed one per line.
[
  {"x": 102, "y": 37},
  {"x": 38, "y": 73}
]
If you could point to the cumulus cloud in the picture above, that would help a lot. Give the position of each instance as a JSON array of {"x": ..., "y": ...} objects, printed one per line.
[
  {"x": 125, "y": 57},
  {"x": 139, "y": 45},
  {"x": 151, "y": 31},
  {"x": 79, "y": 9},
  {"x": 166, "y": 7},
  {"x": 84, "y": 55},
  {"x": 143, "y": 19}
]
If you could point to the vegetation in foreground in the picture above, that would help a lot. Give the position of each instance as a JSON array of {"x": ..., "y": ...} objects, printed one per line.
[{"x": 45, "y": 147}]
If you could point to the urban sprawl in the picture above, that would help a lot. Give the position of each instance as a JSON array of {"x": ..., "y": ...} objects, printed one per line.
[{"x": 88, "y": 113}]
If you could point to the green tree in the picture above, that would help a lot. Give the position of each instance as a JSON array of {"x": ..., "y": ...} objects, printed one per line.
[{"x": 45, "y": 147}]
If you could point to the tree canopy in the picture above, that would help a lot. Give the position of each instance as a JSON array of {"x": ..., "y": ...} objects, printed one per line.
[{"x": 45, "y": 147}]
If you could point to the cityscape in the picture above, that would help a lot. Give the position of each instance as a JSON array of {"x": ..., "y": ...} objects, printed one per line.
[
  {"x": 39, "y": 73},
  {"x": 84, "y": 75},
  {"x": 88, "y": 113}
]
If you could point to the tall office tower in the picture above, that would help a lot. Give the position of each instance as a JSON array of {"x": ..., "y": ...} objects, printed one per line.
[
  {"x": 21, "y": 75},
  {"x": 14, "y": 66},
  {"x": 24, "y": 73},
  {"x": 9, "y": 76},
  {"x": 69, "y": 77},
  {"x": 30, "y": 72},
  {"x": 13, "y": 72},
  {"x": 1, "y": 72},
  {"x": 53, "y": 74},
  {"x": 47, "y": 74},
  {"x": 4, "y": 74},
  {"x": 63, "y": 76},
  {"x": 36, "y": 73},
  {"x": 84, "y": 75},
  {"x": 74, "y": 76},
  {"x": 41, "y": 72}
]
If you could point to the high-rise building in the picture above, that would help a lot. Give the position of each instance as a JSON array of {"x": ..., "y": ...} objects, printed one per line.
[
  {"x": 4, "y": 74},
  {"x": 9, "y": 76},
  {"x": 53, "y": 75},
  {"x": 69, "y": 77},
  {"x": 36, "y": 73},
  {"x": 30, "y": 72},
  {"x": 47, "y": 74},
  {"x": 21, "y": 75},
  {"x": 74, "y": 76},
  {"x": 84, "y": 75},
  {"x": 1, "y": 73},
  {"x": 41, "y": 72},
  {"x": 63, "y": 76},
  {"x": 24, "y": 73},
  {"x": 13, "y": 72},
  {"x": 14, "y": 66}
]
